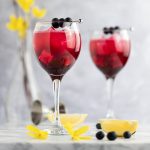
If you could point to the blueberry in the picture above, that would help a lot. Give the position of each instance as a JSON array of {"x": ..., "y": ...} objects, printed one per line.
[
  {"x": 111, "y": 30},
  {"x": 98, "y": 126},
  {"x": 61, "y": 22},
  {"x": 100, "y": 135},
  {"x": 105, "y": 30},
  {"x": 55, "y": 22},
  {"x": 111, "y": 136},
  {"x": 127, "y": 135},
  {"x": 68, "y": 19},
  {"x": 116, "y": 27}
]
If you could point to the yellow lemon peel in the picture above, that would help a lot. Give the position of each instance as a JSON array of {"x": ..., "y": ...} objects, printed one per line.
[
  {"x": 119, "y": 126},
  {"x": 71, "y": 119},
  {"x": 36, "y": 133}
]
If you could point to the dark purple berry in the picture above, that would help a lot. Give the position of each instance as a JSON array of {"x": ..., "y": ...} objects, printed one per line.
[
  {"x": 111, "y": 136},
  {"x": 55, "y": 22},
  {"x": 61, "y": 22},
  {"x": 98, "y": 126},
  {"x": 68, "y": 19},
  {"x": 127, "y": 135},
  {"x": 111, "y": 30},
  {"x": 100, "y": 135},
  {"x": 105, "y": 30},
  {"x": 116, "y": 27}
]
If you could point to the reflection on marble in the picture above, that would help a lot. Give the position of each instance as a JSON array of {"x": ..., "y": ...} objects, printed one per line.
[{"x": 15, "y": 138}]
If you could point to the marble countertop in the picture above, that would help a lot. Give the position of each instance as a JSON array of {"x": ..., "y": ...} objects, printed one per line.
[{"x": 15, "y": 138}]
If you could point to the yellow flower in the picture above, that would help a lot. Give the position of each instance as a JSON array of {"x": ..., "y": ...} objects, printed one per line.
[
  {"x": 25, "y": 5},
  {"x": 77, "y": 134},
  {"x": 12, "y": 24},
  {"x": 36, "y": 133},
  {"x": 38, "y": 13},
  {"x": 20, "y": 25}
]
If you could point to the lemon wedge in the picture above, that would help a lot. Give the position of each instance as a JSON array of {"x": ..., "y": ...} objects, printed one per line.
[
  {"x": 119, "y": 126},
  {"x": 72, "y": 119}
]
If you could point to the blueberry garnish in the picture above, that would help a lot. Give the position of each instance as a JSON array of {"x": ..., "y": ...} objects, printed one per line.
[
  {"x": 98, "y": 126},
  {"x": 111, "y": 30},
  {"x": 106, "y": 30},
  {"x": 127, "y": 135},
  {"x": 111, "y": 136},
  {"x": 116, "y": 27},
  {"x": 55, "y": 22},
  {"x": 100, "y": 135},
  {"x": 68, "y": 19},
  {"x": 61, "y": 22}
]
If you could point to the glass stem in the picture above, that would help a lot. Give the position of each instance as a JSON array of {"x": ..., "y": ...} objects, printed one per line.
[
  {"x": 56, "y": 89},
  {"x": 110, "y": 111}
]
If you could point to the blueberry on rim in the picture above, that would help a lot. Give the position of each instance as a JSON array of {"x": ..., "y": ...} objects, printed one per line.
[
  {"x": 111, "y": 30},
  {"x": 61, "y": 22},
  {"x": 116, "y": 27},
  {"x": 55, "y": 22},
  {"x": 68, "y": 19},
  {"x": 106, "y": 30}
]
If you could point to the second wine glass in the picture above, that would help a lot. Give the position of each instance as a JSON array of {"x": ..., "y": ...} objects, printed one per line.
[{"x": 110, "y": 50}]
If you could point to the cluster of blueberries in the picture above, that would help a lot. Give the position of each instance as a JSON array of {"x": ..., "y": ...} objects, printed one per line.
[
  {"x": 56, "y": 23},
  {"x": 110, "y": 135},
  {"x": 110, "y": 30}
]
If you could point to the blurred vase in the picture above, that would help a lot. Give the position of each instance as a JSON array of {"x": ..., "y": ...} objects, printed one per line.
[{"x": 23, "y": 89}]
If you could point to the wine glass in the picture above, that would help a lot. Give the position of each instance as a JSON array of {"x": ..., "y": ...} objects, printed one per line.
[
  {"x": 110, "y": 50},
  {"x": 57, "y": 45}
]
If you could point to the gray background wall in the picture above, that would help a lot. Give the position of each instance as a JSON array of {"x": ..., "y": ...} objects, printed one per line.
[{"x": 83, "y": 88}]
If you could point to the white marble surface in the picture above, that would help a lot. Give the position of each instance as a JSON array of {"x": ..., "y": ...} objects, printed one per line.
[{"x": 15, "y": 138}]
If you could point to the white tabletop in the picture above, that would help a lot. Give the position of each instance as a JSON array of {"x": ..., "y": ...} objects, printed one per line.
[{"x": 15, "y": 138}]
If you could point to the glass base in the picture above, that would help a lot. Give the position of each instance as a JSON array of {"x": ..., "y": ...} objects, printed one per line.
[{"x": 56, "y": 130}]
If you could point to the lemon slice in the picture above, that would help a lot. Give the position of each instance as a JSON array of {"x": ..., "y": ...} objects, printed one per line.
[
  {"x": 72, "y": 119},
  {"x": 119, "y": 126}
]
